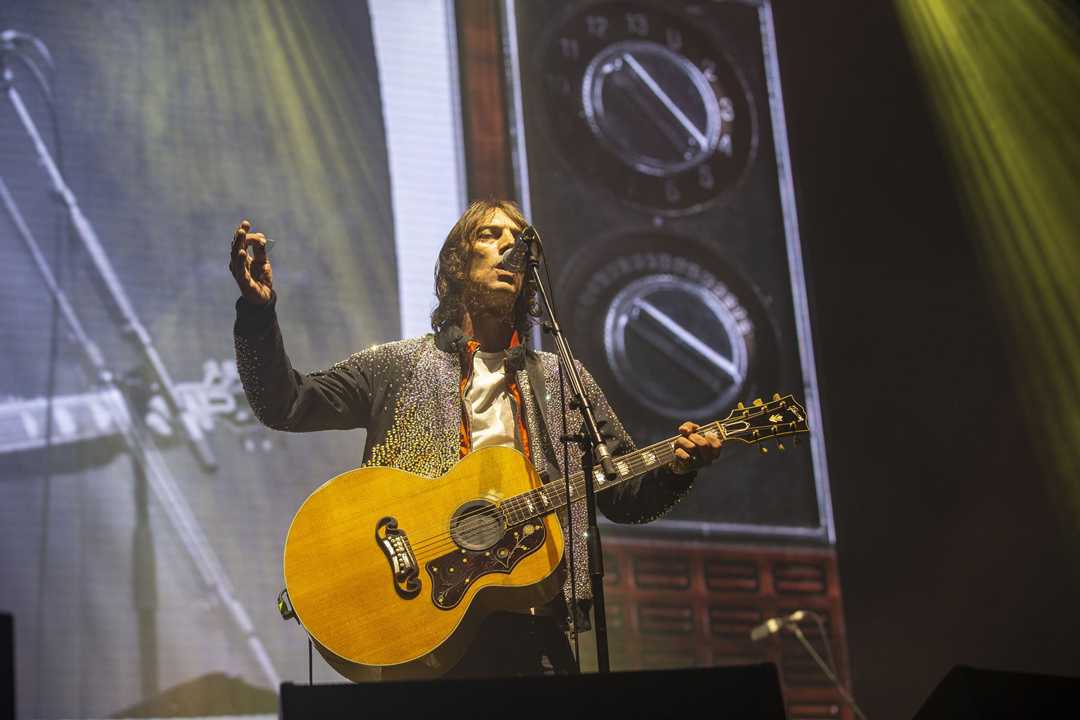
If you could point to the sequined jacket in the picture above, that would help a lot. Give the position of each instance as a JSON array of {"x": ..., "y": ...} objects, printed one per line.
[{"x": 409, "y": 396}]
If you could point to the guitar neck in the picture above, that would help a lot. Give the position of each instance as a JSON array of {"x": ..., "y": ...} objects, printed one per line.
[
  {"x": 553, "y": 495},
  {"x": 780, "y": 416}
]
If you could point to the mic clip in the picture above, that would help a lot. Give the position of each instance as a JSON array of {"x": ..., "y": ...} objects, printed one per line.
[{"x": 775, "y": 625}]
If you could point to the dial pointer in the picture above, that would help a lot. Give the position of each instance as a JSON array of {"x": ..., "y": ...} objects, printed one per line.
[{"x": 662, "y": 96}]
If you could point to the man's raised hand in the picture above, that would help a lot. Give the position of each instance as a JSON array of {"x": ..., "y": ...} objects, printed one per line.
[{"x": 250, "y": 265}]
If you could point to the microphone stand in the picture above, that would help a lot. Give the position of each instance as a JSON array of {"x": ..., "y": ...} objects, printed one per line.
[
  {"x": 797, "y": 631},
  {"x": 593, "y": 448}
]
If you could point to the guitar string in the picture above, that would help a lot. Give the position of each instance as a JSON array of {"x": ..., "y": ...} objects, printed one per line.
[
  {"x": 519, "y": 504},
  {"x": 516, "y": 503},
  {"x": 512, "y": 511},
  {"x": 447, "y": 544}
]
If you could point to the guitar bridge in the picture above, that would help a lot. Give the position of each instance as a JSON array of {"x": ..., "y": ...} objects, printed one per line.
[{"x": 395, "y": 545}]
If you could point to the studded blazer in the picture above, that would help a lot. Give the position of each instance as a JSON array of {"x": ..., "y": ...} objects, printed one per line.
[{"x": 408, "y": 395}]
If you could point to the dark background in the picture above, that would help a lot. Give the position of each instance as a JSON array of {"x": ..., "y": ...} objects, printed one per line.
[{"x": 950, "y": 548}]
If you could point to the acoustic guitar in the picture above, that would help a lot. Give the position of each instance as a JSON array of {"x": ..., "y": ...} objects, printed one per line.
[{"x": 392, "y": 570}]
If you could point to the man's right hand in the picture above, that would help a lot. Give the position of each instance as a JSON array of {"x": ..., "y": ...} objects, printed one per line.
[{"x": 250, "y": 265}]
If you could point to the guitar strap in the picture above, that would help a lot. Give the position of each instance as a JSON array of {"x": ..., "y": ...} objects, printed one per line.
[{"x": 535, "y": 371}]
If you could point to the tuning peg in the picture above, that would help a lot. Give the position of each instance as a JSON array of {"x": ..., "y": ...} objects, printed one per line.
[
  {"x": 758, "y": 402},
  {"x": 780, "y": 446},
  {"x": 764, "y": 450},
  {"x": 776, "y": 396},
  {"x": 741, "y": 406}
]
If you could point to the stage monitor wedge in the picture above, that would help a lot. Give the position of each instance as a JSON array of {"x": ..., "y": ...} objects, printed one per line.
[
  {"x": 966, "y": 693},
  {"x": 7, "y": 666},
  {"x": 747, "y": 692}
]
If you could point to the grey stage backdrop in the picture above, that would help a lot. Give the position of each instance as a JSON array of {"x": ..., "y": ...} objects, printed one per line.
[{"x": 174, "y": 120}]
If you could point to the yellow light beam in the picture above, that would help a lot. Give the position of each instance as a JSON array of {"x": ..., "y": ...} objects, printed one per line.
[{"x": 1004, "y": 78}]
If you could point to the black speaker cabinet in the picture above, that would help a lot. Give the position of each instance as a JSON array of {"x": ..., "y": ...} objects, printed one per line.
[
  {"x": 747, "y": 692},
  {"x": 7, "y": 666},
  {"x": 968, "y": 693},
  {"x": 652, "y": 158}
]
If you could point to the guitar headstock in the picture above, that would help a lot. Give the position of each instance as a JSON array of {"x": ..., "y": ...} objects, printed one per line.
[{"x": 762, "y": 420}]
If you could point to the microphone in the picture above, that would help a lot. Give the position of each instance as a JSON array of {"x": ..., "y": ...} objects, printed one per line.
[
  {"x": 516, "y": 259},
  {"x": 773, "y": 625}
]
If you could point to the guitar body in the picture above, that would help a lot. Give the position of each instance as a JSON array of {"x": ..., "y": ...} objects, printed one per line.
[
  {"x": 391, "y": 573},
  {"x": 388, "y": 569}
]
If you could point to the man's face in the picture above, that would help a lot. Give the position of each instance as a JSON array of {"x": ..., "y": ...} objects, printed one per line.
[{"x": 490, "y": 287}]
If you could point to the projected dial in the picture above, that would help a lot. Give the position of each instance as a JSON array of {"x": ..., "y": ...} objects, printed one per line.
[
  {"x": 648, "y": 104},
  {"x": 660, "y": 322},
  {"x": 667, "y": 325}
]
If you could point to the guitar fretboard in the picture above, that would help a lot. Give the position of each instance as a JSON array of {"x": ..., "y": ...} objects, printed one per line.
[
  {"x": 779, "y": 417},
  {"x": 553, "y": 495}
]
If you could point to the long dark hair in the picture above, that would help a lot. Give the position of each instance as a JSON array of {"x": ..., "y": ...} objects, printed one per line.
[{"x": 452, "y": 268}]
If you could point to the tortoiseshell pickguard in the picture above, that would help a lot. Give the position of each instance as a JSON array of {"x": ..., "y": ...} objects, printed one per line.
[{"x": 452, "y": 574}]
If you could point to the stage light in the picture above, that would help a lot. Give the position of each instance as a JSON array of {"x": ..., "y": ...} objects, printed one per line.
[{"x": 1004, "y": 81}]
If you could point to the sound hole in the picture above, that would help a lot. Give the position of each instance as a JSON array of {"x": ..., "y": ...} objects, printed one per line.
[{"x": 477, "y": 525}]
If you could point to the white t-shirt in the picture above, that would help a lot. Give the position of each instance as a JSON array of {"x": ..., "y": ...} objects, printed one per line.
[{"x": 491, "y": 417}]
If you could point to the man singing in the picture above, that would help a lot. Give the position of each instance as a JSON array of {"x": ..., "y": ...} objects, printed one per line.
[{"x": 426, "y": 402}]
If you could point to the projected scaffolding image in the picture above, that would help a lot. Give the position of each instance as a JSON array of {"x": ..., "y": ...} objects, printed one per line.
[{"x": 142, "y": 506}]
